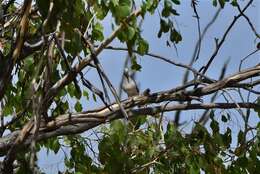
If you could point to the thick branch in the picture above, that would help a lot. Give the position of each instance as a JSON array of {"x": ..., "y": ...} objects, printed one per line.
[
  {"x": 79, "y": 122},
  {"x": 12, "y": 58}
]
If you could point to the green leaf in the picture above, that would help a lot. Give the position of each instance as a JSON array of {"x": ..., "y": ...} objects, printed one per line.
[
  {"x": 214, "y": 126},
  {"x": 130, "y": 32},
  {"x": 74, "y": 46},
  {"x": 78, "y": 173},
  {"x": 28, "y": 64},
  {"x": 170, "y": 133},
  {"x": 139, "y": 121},
  {"x": 166, "y": 12},
  {"x": 159, "y": 35},
  {"x": 56, "y": 146},
  {"x": 227, "y": 138},
  {"x": 215, "y": 3},
  {"x": 122, "y": 10},
  {"x": 234, "y": 3},
  {"x": 85, "y": 94},
  {"x": 53, "y": 144},
  {"x": 240, "y": 137},
  {"x": 142, "y": 47},
  {"x": 101, "y": 11},
  {"x": 164, "y": 26},
  {"x": 127, "y": 34},
  {"x": 8, "y": 109},
  {"x": 221, "y": 3},
  {"x": 78, "y": 106},
  {"x": 134, "y": 65},
  {"x": 175, "y": 36},
  {"x": 224, "y": 118},
  {"x": 167, "y": 8},
  {"x": 71, "y": 89},
  {"x": 115, "y": 2},
  {"x": 242, "y": 162},
  {"x": 177, "y": 2},
  {"x": 97, "y": 32},
  {"x": 174, "y": 12},
  {"x": 94, "y": 97}
]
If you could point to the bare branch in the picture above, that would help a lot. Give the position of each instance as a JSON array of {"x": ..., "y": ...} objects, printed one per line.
[
  {"x": 194, "y": 4},
  {"x": 219, "y": 44},
  {"x": 194, "y": 71},
  {"x": 248, "y": 21},
  {"x": 79, "y": 122}
]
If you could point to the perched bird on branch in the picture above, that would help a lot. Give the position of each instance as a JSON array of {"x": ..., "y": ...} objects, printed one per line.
[{"x": 129, "y": 85}]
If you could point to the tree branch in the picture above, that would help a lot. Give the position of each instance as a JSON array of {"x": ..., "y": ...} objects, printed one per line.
[
  {"x": 79, "y": 122},
  {"x": 218, "y": 45},
  {"x": 52, "y": 92}
]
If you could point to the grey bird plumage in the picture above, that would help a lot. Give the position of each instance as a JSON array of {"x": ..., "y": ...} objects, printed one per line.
[{"x": 129, "y": 85}]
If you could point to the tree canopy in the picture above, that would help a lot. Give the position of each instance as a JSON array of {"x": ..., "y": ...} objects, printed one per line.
[{"x": 48, "y": 48}]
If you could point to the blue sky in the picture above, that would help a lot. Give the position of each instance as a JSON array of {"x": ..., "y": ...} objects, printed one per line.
[{"x": 158, "y": 75}]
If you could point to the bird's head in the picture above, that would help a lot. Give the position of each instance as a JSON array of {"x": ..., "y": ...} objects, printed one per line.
[{"x": 126, "y": 73}]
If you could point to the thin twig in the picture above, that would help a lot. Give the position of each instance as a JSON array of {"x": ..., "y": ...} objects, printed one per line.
[
  {"x": 249, "y": 22},
  {"x": 194, "y": 71},
  {"x": 219, "y": 44},
  {"x": 193, "y": 4},
  {"x": 245, "y": 58},
  {"x": 193, "y": 58},
  {"x": 101, "y": 71},
  {"x": 205, "y": 116}
]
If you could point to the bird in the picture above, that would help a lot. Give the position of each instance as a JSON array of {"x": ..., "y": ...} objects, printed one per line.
[{"x": 129, "y": 85}]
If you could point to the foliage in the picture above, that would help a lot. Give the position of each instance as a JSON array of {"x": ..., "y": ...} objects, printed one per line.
[{"x": 43, "y": 86}]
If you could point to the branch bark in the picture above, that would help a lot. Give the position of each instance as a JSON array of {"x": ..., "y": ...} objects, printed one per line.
[{"x": 82, "y": 121}]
